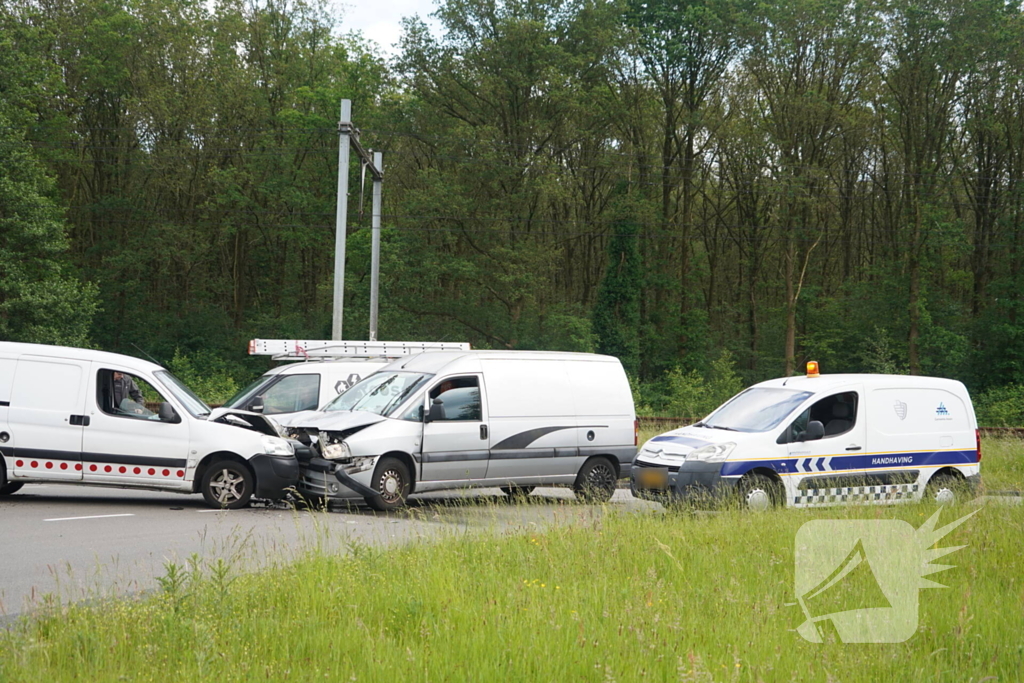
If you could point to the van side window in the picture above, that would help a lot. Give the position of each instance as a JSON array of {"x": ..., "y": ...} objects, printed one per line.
[
  {"x": 461, "y": 398},
  {"x": 837, "y": 413},
  {"x": 124, "y": 395},
  {"x": 291, "y": 394}
]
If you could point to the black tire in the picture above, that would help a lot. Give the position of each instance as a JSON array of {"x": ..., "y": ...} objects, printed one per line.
[
  {"x": 596, "y": 481},
  {"x": 11, "y": 487},
  {"x": 759, "y": 492},
  {"x": 227, "y": 485},
  {"x": 947, "y": 489},
  {"x": 8, "y": 487},
  {"x": 392, "y": 482},
  {"x": 517, "y": 492}
]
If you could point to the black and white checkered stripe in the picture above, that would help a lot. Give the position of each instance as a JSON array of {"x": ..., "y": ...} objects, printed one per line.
[{"x": 855, "y": 494}]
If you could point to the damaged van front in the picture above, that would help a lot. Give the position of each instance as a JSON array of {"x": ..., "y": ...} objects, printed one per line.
[{"x": 349, "y": 436}]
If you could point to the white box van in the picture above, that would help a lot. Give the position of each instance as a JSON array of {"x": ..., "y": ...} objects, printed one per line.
[
  {"x": 77, "y": 416},
  {"x": 821, "y": 440},
  {"x": 325, "y": 369},
  {"x": 445, "y": 420}
]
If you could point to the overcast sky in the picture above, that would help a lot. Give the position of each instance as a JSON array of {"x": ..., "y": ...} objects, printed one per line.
[{"x": 379, "y": 19}]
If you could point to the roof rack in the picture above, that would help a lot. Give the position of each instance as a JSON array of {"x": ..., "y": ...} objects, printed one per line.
[{"x": 321, "y": 349}]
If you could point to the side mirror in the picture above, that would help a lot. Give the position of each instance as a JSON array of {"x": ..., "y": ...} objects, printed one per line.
[
  {"x": 256, "y": 405},
  {"x": 167, "y": 413},
  {"x": 815, "y": 430},
  {"x": 436, "y": 411}
]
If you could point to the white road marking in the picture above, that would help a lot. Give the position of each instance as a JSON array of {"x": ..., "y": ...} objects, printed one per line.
[
  {"x": 214, "y": 510},
  {"x": 68, "y": 519}
]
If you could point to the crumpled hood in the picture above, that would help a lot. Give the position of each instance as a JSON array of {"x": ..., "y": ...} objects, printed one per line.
[
  {"x": 338, "y": 421},
  {"x": 681, "y": 441},
  {"x": 244, "y": 419}
]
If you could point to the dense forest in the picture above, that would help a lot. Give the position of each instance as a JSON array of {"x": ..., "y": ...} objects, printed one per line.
[{"x": 713, "y": 190}]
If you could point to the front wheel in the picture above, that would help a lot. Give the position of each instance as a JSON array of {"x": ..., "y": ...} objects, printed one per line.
[
  {"x": 758, "y": 492},
  {"x": 596, "y": 481},
  {"x": 227, "y": 484},
  {"x": 392, "y": 483}
]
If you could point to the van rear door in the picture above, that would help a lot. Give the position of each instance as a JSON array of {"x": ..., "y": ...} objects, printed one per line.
[{"x": 47, "y": 418}]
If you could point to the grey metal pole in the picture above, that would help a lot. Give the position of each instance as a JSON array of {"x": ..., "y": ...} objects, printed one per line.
[
  {"x": 378, "y": 164},
  {"x": 344, "y": 129}
]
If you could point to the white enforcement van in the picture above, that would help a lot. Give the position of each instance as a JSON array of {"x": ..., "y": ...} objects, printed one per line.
[
  {"x": 77, "y": 416},
  {"x": 325, "y": 369},
  {"x": 447, "y": 420},
  {"x": 821, "y": 440}
]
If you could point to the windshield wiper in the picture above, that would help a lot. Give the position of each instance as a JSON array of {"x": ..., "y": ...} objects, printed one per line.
[
  {"x": 728, "y": 429},
  {"x": 699, "y": 424}
]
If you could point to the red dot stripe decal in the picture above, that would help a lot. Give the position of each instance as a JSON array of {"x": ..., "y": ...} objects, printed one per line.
[
  {"x": 167, "y": 473},
  {"x": 19, "y": 463},
  {"x": 35, "y": 464},
  {"x": 63, "y": 465}
]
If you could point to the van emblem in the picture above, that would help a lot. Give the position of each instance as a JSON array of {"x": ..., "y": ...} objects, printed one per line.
[
  {"x": 901, "y": 409},
  {"x": 941, "y": 410}
]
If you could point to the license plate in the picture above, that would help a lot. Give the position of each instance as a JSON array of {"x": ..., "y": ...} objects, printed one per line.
[{"x": 652, "y": 478}]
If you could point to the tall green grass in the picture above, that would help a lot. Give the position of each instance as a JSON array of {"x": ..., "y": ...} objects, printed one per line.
[
  {"x": 609, "y": 595},
  {"x": 613, "y": 596}
]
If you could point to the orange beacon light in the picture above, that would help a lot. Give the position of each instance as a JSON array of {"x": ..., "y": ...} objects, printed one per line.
[{"x": 812, "y": 368}]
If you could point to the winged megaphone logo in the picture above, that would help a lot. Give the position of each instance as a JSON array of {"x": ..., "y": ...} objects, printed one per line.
[{"x": 860, "y": 578}]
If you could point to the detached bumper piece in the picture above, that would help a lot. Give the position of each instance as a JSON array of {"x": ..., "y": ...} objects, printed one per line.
[
  {"x": 320, "y": 477},
  {"x": 689, "y": 481},
  {"x": 274, "y": 474}
]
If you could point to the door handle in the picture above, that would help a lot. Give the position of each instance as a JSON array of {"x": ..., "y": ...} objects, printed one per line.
[
  {"x": 853, "y": 448},
  {"x": 483, "y": 431},
  {"x": 79, "y": 420}
]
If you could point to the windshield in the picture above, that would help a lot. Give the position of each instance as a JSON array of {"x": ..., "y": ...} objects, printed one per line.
[
  {"x": 244, "y": 395},
  {"x": 379, "y": 393},
  {"x": 185, "y": 396},
  {"x": 756, "y": 409}
]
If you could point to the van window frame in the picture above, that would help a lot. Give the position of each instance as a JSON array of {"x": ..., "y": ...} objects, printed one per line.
[
  {"x": 100, "y": 385},
  {"x": 786, "y": 437}
]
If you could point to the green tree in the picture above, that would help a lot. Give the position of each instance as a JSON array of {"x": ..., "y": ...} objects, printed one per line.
[
  {"x": 41, "y": 300},
  {"x": 617, "y": 311}
]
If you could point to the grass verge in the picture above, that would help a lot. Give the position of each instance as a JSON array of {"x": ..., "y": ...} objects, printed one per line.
[{"x": 613, "y": 597}]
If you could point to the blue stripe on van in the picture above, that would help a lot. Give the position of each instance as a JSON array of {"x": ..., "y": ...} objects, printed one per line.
[{"x": 866, "y": 461}]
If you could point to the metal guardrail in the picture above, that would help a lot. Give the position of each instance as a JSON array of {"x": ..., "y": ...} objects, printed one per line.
[{"x": 652, "y": 421}]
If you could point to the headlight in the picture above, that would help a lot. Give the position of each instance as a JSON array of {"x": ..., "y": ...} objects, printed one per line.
[
  {"x": 272, "y": 445},
  {"x": 715, "y": 452},
  {"x": 336, "y": 451}
]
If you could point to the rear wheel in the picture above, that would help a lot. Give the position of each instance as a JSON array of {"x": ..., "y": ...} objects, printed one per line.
[
  {"x": 10, "y": 487},
  {"x": 759, "y": 492},
  {"x": 947, "y": 489},
  {"x": 7, "y": 487},
  {"x": 392, "y": 482},
  {"x": 596, "y": 481},
  {"x": 227, "y": 484},
  {"x": 517, "y": 492}
]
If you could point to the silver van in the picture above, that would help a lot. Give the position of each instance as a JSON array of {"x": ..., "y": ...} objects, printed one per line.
[{"x": 447, "y": 420}]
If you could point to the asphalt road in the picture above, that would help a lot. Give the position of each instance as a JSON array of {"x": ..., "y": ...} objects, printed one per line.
[{"x": 80, "y": 543}]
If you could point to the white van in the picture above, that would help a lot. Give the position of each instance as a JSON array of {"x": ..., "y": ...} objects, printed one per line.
[
  {"x": 77, "y": 416},
  {"x": 821, "y": 440},
  {"x": 325, "y": 369},
  {"x": 445, "y": 420}
]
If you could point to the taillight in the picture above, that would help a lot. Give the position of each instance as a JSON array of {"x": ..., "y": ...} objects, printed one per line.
[
  {"x": 977, "y": 439},
  {"x": 636, "y": 435}
]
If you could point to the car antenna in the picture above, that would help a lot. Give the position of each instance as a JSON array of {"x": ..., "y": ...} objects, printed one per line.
[{"x": 144, "y": 352}]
